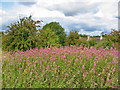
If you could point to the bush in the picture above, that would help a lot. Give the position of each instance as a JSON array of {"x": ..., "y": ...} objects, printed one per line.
[
  {"x": 21, "y": 35},
  {"x": 92, "y": 42}
]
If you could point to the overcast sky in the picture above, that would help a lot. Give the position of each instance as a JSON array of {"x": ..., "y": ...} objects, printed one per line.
[{"x": 86, "y": 16}]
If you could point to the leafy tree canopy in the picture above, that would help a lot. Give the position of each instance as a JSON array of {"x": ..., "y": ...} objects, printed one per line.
[
  {"x": 57, "y": 28},
  {"x": 47, "y": 37}
]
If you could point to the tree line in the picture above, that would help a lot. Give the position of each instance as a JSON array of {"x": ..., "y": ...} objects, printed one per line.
[{"x": 25, "y": 34}]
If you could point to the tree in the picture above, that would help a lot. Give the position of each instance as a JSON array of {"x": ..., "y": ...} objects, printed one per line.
[
  {"x": 72, "y": 38},
  {"x": 21, "y": 34},
  {"x": 113, "y": 36},
  {"x": 83, "y": 35},
  {"x": 47, "y": 37},
  {"x": 111, "y": 40},
  {"x": 57, "y": 28}
]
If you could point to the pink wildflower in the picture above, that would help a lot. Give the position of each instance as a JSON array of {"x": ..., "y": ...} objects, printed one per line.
[
  {"x": 43, "y": 71},
  {"x": 55, "y": 68},
  {"x": 66, "y": 74},
  {"x": 112, "y": 86},
  {"x": 63, "y": 56},
  {"x": 83, "y": 68},
  {"x": 47, "y": 67},
  {"x": 68, "y": 61},
  {"x": 102, "y": 79},
  {"x": 65, "y": 59},
  {"x": 22, "y": 52},
  {"x": 32, "y": 69},
  {"x": 109, "y": 63},
  {"x": 94, "y": 64}
]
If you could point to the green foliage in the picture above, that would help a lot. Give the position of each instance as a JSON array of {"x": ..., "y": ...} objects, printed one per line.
[
  {"x": 47, "y": 37},
  {"x": 20, "y": 34},
  {"x": 83, "y": 35},
  {"x": 57, "y": 28},
  {"x": 114, "y": 36},
  {"x": 111, "y": 40},
  {"x": 72, "y": 38},
  {"x": 84, "y": 42},
  {"x": 92, "y": 42},
  {"x": 105, "y": 43},
  {"x": 23, "y": 35}
]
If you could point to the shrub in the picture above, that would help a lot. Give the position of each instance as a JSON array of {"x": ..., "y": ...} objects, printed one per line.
[{"x": 21, "y": 35}]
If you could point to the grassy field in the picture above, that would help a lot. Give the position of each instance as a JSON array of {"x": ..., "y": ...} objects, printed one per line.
[{"x": 68, "y": 67}]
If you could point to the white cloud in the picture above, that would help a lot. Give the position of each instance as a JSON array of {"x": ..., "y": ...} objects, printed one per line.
[
  {"x": 2, "y": 12},
  {"x": 82, "y": 31},
  {"x": 91, "y": 13}
]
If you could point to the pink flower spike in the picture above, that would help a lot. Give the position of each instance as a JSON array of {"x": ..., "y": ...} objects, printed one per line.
[
  {"x": 43, "y": 71},
  {"x": 68, "y": 61},
  {"x": 113, "y": 45},
  {"x": 55, "y": 68},
  {"x": 94, "y": 64},
  {"x": 83, "y": 68},
  {"x": 112, "y": 86},
  {"x": 66, "y": 74},
  {"x": 22, "y": 52},
  {"x": 65, "y": 59},
  {"x": 102, "y": 79},
  {"x": 30, "y": 63},
  {"x": 47, "y": 67},
  {"x": 109, "y": 63},
  {"x": 78, "y": 71}
]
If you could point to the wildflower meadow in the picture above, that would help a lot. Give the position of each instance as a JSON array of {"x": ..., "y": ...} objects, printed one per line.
[
  {"x": 63, "y": 67},
  {"x": 48, "y": 57}
]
